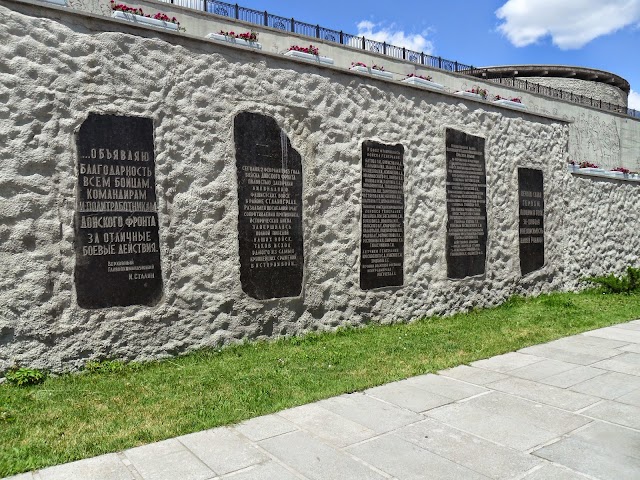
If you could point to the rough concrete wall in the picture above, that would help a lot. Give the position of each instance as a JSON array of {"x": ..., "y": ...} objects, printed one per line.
[
  {"x": 604, "y": 138},
  {"x": 57, "y": 70},
  {"x": 601, "y": 218},
  {"x": 595, "y": 136},
  {"x": 596, "y": 90}
]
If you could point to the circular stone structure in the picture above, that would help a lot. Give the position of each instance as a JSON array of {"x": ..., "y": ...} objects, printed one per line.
[{"x": 589, "y": 82}]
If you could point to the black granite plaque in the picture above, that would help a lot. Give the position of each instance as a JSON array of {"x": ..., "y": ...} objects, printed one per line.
[
  {"x": 531, "y": 203},
  {"x": 466, "y": 205},
  {"x": 270, "y": 208},
  {"x": 116, "y": 223},
  {"x": 382, "y": 241}
]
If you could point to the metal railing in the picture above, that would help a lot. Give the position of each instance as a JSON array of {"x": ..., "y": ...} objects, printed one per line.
[
  {"x": 263, "y": 18},
  {"x": 563, "y": 95}
]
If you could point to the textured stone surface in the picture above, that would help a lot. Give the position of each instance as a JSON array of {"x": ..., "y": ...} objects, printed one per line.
[
  {"x": 596, "y": 90},
  {"x": 222, "y": 450},
  {"x": 596, "y": 136},
  {"x": 104, "y": 467},
  {"x": 405, "y": 460},
  {"x": 168, "y": 460},
  {"x": 57, "y": 70},
  {"x": 465, "y": 449},
  {"x": 316, "y": 460}
]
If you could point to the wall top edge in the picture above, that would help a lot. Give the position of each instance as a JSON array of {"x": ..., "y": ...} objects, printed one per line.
[
  {"x": 51, "y": 11},
  {"x": 557, "y": 71}
]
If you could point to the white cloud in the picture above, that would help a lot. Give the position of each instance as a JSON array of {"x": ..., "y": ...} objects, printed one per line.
[
  {"x": 380, "y": 33},
  {"x": 634, "y": 100},
  {"x": 570, "y": 23}
]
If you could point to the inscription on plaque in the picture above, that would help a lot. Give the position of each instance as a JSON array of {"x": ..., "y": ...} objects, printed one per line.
[
  {"x": 466, "y": 205},
  {"x": 116, "y": 223},
  {"x": 270, "y": 208},
  {"x": 382, "y": 241},
  {"x": 531, "y": 204}
]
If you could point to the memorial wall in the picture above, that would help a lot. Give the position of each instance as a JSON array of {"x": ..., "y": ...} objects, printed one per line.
[{"x": 160, "y": 194}]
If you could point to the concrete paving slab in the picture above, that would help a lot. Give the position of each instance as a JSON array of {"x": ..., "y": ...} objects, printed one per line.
[
  {"x": 632, "y": 398},
  {"x": 168, "y": 460},
  {"x": 632, "y": 347},
  {"x": 611, "y": 438},
  {"x": 405, "y": 396},
  {"x": 627, "y": 362},
  {"x": 629, "y": 326},
  {"x": 104, "y": 467},
  {"x": 500, "y": 429},
  {"x": 572, "y": 377},
  {"x": 609, "y": 386},
  {"x": 477, "y": 454},
  {"x": 558, "y": 353},
  {"x": 379, "y": 416},
  {"x": 265, "y": 471},
  {"x": 517, "y": 409},
  {"x": 554, "y": 472},
  {"x": 543, "y": 369},
  {"x": 601, "y": 347},
  {"x": 22, "y": 476},
  {"x": 507, "y": 362},
  {"x": 316, "y": 460},
  {"x": 263, "y": 427},
  {"x": 589, "y": 459},
  {"x": 614, "y": 333},
  {"x": 477, "y": 376},
  {"x": 406, "y": 461},
  {"x": 546, "y": 394},
  {"x": 222, "y": 450},
  {"x": 327, "y": 425},
  {"x": 445, "y": 387},
  {"x": 589, "y": 341},
  {"x": 615, "y": 412},
  {"x": 578, "y": 349}
]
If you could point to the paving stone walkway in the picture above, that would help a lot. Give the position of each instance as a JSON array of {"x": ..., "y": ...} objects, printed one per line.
[{"x": 568, "y": 409}]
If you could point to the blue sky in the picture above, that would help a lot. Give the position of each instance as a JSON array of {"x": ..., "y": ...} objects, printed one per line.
[{"x": 603, "y": 34}]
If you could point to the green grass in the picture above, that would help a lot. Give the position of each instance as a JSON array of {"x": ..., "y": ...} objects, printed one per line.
[{"x": 114, "y": 406}]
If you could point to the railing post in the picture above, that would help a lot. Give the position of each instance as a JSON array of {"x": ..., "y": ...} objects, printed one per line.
[
  {"x": 456, "y": 66},
  {"x": 266, "y": 19},
  {"x": 317, "y": 31},
  {"x": 341, "y": 38},
  {"x": 363, "y": 43},
  {"x": 404, "y": 53},
  {"x": 237, "y": 12},
  {"x": 204, "y": 5},
  {"x": 293, "y": 25},
  {"x": 422, "y": 58},
  {"x": 384, "y": 47},
  {"x": 440, "y": 63}
]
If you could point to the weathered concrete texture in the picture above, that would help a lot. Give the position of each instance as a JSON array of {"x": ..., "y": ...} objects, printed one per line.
[
  {"x": 57, "y": 70},
  {"x": 587, "y": 88},
  {"x": 596, "y": 136},
  {"x": 479, "y": 433}
]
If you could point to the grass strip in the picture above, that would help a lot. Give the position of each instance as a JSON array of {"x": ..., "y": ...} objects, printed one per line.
[{"x": 78, "y": 416}]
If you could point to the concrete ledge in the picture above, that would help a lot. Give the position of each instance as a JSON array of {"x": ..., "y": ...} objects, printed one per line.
[{"x": 37, "y": 9}]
